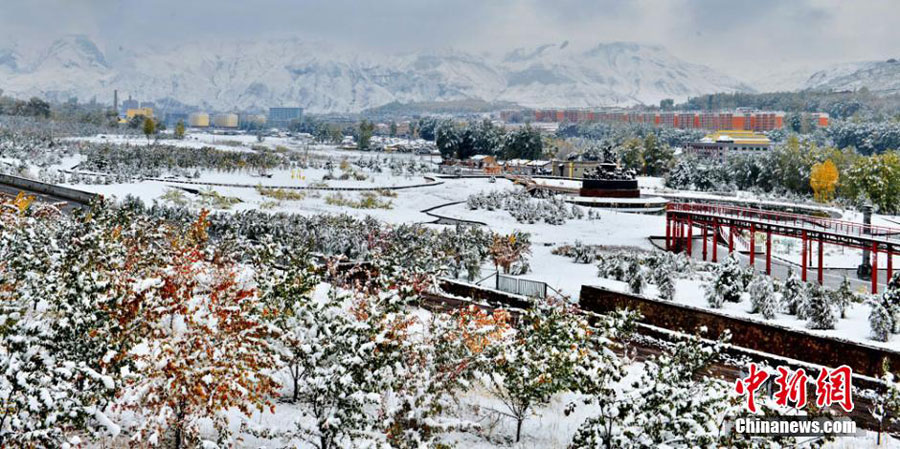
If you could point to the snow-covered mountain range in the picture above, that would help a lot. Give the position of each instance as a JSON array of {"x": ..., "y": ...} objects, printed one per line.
[
  {"x": 877, "y": 76},
  {"x": 881, "y": 77},
  {"x": 321, "y": 78},
  {"x": 255, "y": 75}
]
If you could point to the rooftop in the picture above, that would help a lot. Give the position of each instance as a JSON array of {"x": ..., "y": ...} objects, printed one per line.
[{"x": 737, "y": 136}]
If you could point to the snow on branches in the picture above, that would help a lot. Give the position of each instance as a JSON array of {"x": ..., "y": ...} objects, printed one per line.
[{"x": 527, "y": 209}]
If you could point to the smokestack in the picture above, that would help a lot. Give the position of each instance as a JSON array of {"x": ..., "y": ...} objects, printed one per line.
[{"x": 116, "y": 101}]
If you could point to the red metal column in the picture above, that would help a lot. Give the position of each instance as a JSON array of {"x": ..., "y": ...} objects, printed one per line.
[
  {"x": 821, "y": 274},
  {"x": 753, "y": 245},
  {"x": 690, "y": 233},
  {"x": 769, "y": 252},
  {"x": 678, "y": 246},
  {"x": 705, "y": 237},
  {"x": 890, "y": 264},
  {"x": 803, "y": 257},
  {"x": 715, "y": 241},
  {"x": 874, "y": 269}
]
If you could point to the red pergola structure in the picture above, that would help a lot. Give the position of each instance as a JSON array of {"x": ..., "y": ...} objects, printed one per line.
[{"x": 681, "y": 218}]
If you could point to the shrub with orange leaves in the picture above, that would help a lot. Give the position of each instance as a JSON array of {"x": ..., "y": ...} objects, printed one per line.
[
  {"x": 207, "y": 348},
  {"x": 478, "y": 328},
  {"x": 511, "y": 250},
  {"x": 23, "y": 201}
]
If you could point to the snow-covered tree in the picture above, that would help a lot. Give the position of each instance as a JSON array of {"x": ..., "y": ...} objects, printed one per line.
[
  {"x": 763, "y": 299},
  {"x": 205, "y": 349},
  {"x": 285, "y": 280},
  {"x": 886, "y": 404},
  {"x": 794, "y": 295},
  {"x": 671, "y": 405},
  {"x": 538, "y": 361},
  {"x": 635, "y": 275},
  {"x": 664, "y": 278},
  {"x": 511, "y": 250},
  {"x": 890, "y": 300},
  {"x": 880, "y": 321},
  {"x": 843, "y": 297},
  {"x": 820, "y": 313},
  {"x": 337, "y": 374},
  {"x": 65, "y": 320},
  {"x": 727, "y": 284}
]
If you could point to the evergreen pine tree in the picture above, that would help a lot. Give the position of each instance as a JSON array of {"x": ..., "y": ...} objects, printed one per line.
[
  {"x": 179, "y": 130},
  {"x": 820, "y": 313},
  {"x": 794, "y": 295},
  {"x": 890, "y": 300},
  {"x": 727, "y": 284},
  {"x": 880, "y": 321},
  {"x": 665, "y": 282},
  {"x": 843, "y": 297},
  {"x": 635, "y": 276},
  {"x": 762, "y": 297},
  {"x": 149, "y": 127}
]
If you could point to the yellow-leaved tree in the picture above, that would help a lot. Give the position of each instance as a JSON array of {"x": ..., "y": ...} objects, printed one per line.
[{"x": 823, "y": 179}]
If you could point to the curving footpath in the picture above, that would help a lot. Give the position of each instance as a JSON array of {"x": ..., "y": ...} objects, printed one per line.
[{"x": 445, "y": 220}]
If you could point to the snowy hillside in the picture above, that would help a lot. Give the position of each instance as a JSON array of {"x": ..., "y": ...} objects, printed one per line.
[
  {"x": 613, "y": 73},
  {"x": 259, "y": 74},
  {"x": 877, "y": 76}
]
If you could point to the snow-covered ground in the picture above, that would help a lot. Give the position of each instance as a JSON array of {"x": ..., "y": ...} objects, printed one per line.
[
  {"x": 550, "y": 427},
  {"x": 855, "y": 327},
  {"x": 611, "y": 228}
]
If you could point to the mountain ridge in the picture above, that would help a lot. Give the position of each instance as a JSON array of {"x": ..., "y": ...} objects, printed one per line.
[{"x": 254, "y": 75}]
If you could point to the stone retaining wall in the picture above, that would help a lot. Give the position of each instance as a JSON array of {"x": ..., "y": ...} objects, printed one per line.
[
  {"x": 769, "y": 338},
  {"x": 65, "y": 193}
]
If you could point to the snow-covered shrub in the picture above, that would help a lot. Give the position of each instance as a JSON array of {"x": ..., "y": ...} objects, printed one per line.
[
  {"x": 550, "y": 209},
  {"x": 553, "y": 353},
  {"x": 794, "y": 295},
  {"x": 635, "y": 276},
  {"x": 670, "y": 405},
  {"x": 577, "y": 212},
  {"x": 843, "y": 297},
  {"x": 880, "y": 321},
  {"x": 665, "y": 282},
  {"x": 612, "y": 266},
  {"x": 763, "y": 299},
  {"x": 727, "y": 284},
  {"x": 820, "y": 313},
  {"x": 582, "y": 253}
]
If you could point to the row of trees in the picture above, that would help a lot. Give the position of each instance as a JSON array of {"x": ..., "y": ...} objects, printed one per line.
[
  {"x": 840, "y": 105},
  {"x": 176, "y": 322},
  {"x": 464, "y": 141},
  {"x": 730, "y": 282},
  {"x": 803, "y": 169},
  {"x": 614, "y": 134},
  {"x": 142, "y": 330},
  {"x": 527, "y": 209},
  {"x": 34, "y": 107},
  {"x": 821, "y": 308},
  {"x": 867, "y": 137}
]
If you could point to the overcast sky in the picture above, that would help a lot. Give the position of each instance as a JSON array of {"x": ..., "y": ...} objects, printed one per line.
[{"x": 743, "y": 38}]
